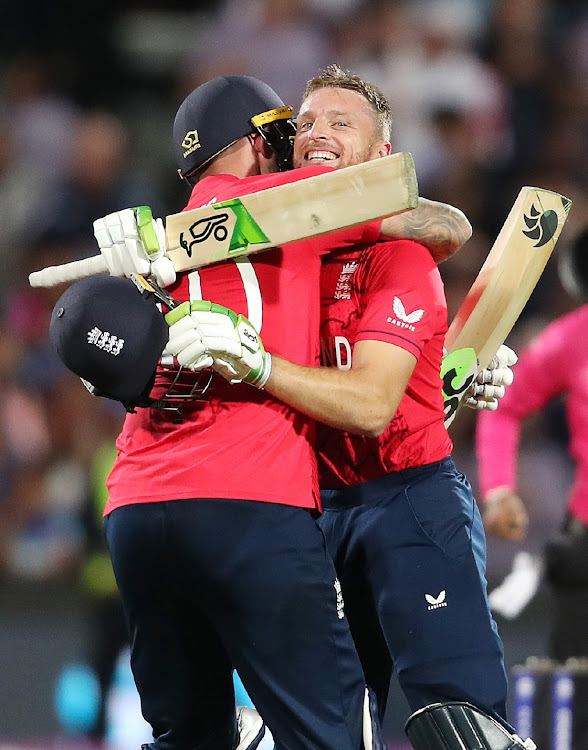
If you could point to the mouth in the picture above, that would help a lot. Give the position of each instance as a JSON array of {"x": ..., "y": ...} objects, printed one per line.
[{"x": 317, "y": 156}]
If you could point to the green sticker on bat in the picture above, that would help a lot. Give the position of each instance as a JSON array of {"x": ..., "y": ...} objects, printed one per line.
[
  {"x": 458, "y": 371},
  {"x": 247, "y": 231}
]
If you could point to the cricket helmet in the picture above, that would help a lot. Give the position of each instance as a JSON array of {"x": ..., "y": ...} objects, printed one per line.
[
  {"x": 220, "y": 111},
  {"x": 573, "y": 266},
  {"x": 111, "y": 335}
]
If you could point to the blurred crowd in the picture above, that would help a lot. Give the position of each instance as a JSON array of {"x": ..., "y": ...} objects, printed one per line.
[{"x": 488, "y": 95}]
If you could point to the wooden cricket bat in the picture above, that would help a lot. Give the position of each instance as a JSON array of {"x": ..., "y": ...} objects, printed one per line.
[
  {"x": 501, "y": 290},
  {"x": 273, "y": 217}
]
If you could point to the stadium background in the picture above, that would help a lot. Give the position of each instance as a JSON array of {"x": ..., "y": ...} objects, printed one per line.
[{"x": 488, "y": 95}]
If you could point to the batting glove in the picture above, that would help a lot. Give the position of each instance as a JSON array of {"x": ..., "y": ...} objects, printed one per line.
[
  {"x": 251, "y": 729},
  {"x": 489, "y": 386},
  {"x": 236, "y": 347},
  {"x": 186, "y": 342},
  {"x": 132, "y": 241}
]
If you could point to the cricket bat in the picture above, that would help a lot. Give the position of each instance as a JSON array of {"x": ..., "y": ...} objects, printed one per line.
[
  {"x": 273, "y": 217},
  {"x": 501, "y": 290}
]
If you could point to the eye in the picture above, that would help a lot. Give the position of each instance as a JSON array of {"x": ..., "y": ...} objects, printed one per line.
[
  {"x": 341, "y": 124},
  {"x": 303, "y": 125}
]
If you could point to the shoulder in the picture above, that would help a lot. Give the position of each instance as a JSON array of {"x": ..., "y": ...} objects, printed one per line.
[
  {"x": 569, "y": 325},
  {"x": 402, "y": 251},
  {"x": 212, "y": 189},
  {"x": 262, "y": 182},
  {"x": 405, "y": 259},
  {"x": 575, "y": 320}
]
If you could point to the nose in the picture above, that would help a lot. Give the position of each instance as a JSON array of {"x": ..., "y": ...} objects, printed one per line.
[{"x": 319, "y": 130}]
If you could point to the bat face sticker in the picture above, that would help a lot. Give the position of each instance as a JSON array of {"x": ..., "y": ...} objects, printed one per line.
[
  {"x": 541, "y": 225},
  {"x": 458, "y": 371},
  {"x": 201, "y": 230}
]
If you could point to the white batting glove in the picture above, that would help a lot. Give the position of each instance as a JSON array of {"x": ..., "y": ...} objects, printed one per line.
[
  {"x": 490, "y": 384},
  {"x": 132, "y": 241},
  {"x": 185, "y": 341},
  {"x": 236, "y": 347},
  {"x": 252, "y": 731}
]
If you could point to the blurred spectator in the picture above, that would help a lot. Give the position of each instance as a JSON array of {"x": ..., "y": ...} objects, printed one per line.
[
  {"x": 107, "y": 629},
  {"x": 280, "y": 41},
  {"x": 51, "y": 430},
  {"x": 39, "y": 118},
  {"x": 421, "y": 55},
  {"x": 21, "y": 196},
  {"x": 99, "y": 179}
]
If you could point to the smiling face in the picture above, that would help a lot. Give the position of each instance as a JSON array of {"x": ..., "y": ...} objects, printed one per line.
[{"x": 337, "y": 127}]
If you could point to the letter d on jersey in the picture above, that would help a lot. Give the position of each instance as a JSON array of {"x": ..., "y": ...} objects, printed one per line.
[{"x": 342, "y": 353}]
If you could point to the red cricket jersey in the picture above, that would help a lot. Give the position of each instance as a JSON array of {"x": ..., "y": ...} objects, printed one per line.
[
  {"x": 239, "y": 442},
  {"x": 389, "y": 292}
]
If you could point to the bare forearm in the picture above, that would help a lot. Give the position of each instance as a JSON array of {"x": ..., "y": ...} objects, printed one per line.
[
  {"x": 338, "y": 398},
  {"x": 442, "y": 228}
]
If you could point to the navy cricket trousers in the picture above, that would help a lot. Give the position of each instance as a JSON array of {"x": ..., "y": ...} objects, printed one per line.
[
  {"x": 209, "y": 585},
  {"x": 410, "y": 550}
]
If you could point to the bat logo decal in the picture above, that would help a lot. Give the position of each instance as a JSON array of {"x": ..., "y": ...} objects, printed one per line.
[
  {"x": 541, "y": 225},
  {"x": 458, "y": 371},
  {"x": 245, "y": 232},
  {"x": 201, "y": 231}
]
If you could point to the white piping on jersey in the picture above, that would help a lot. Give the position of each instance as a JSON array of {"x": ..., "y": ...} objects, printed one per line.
[
  {"x": 250, "y": 285},
  {"x": 194, "y": 286},
  {"x": 252, "y": 292}
]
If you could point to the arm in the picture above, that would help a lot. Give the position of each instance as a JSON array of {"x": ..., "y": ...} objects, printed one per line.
[
  {"x": 441, "y": 228},
  {"x": 131, "y": 241},
  {"x": 361, "y": 400},
  {"x": 539, "y": 377}
]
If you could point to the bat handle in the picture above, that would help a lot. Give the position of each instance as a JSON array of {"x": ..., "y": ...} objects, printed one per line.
[{"x": 77, "y": 269}]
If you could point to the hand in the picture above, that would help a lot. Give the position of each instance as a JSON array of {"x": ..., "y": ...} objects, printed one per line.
[
  {"x": 250, "y": 728},
  {"x": 490, "y": 384},
  {"x": 185, "y": 341},
  {"x": 132, "y": 241},
  {"x": 233, "y": 342},
  {"x": 504, "y": 514}
]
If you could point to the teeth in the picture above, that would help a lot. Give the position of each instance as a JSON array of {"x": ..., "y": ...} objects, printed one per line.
[{"x": 328, "y": 155}]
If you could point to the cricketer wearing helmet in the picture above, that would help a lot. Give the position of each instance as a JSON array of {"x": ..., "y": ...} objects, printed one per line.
[
  {"x": 400, "y": 520},
  {"x": 239, "y": 361},
  {"x": 210, "y": 520}
]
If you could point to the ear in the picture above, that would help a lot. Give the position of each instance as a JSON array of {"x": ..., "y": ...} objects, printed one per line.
[
  {"x": 385, "y": 149},
  {"x": 261, "y": 146},
  {"x": 266, "y": 158}
]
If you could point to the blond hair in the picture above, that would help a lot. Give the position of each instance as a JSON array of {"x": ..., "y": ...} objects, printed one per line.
[{"x": 337, "y": 78}]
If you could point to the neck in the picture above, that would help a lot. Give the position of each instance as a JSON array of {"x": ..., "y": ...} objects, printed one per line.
[{"x": 239, "y": 160}]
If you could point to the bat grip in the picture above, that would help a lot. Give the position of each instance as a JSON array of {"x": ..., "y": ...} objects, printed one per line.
[{"x": 77, "y": 269}]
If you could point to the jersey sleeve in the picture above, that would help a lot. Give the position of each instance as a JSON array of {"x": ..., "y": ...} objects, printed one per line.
[
  {"x": 405, "y": 297},
  {"x": 539, "y": 376}
]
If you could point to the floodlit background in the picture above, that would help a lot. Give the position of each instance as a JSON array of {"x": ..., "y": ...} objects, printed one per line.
[{"x": 488, "y": 95}]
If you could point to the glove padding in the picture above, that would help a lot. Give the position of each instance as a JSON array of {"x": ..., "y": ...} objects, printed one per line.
[
  {"x": 132, "y": 241},
  {"x": 185, "y": 341},
  {"x": 203, "y": 334},
  {"x": 489, "y": 386},
  {"x": 236, "y": 347}
]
